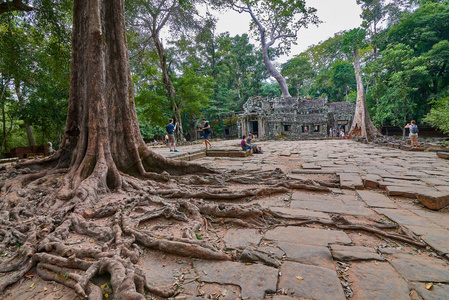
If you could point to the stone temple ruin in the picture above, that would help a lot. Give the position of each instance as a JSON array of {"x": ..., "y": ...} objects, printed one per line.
[{"x": 305, "y": 118}]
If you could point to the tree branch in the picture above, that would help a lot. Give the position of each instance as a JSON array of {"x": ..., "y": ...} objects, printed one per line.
[{"x": 15, "y": 5}]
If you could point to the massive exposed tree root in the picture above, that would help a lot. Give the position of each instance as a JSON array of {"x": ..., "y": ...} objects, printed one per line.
[{"x": 71, "y": 237}]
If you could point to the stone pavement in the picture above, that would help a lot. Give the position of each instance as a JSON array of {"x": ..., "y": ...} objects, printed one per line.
[{"x": 378, "y": 184}]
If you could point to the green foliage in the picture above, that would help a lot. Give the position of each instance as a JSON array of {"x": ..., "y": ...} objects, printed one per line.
[{"x": 439, "y": 114}]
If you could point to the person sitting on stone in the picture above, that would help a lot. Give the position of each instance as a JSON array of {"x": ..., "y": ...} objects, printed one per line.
[
  {"x": 245, "y": 145},
  {"x": 256, "y": 149}
]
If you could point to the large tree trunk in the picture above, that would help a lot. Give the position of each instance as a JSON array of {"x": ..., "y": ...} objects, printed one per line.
[
  {"x": 362, "y": 126},
  {"x": 102, "y": 137}
]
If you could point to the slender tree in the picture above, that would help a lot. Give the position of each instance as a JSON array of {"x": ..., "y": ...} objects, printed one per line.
[
  {"x": 275, "y": 21},
  {"x": 362, "y": 126}
]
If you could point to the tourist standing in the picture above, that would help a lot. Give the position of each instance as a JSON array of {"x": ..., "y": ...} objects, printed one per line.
[
  {"x": 207, "y": 131},
  {"x": 413, "y": 133},
  {"x": 330, "y": 132},
  {"x": 170, "y": 128}
]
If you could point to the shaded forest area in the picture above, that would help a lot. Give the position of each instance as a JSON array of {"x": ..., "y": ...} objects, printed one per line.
[{"x": 183, "y": 68}]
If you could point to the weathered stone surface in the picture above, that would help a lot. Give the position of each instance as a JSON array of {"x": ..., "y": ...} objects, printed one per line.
[
  {"x": 437, "y": 242},
  {"x": 330, "y": 207},
  {"x": 437, "y": 292},
  {"x": 434, "y": 199},
  {"x": 403, "y": 217},
  {"x": 310, "y": 167},
  {"x": 371, "y": 181},
  {"x": 254, "y": 280},
  {"x": 301, "y": 196},
  {"x": 167, "y": 267},
  {"x": 409, "y": 191},
  {"x": 379, "y": 281},
  {"x": 348, "y": 253},
  {"x": 306, "y": 254},
  {"x": 307, "y": 236},
  {"x": 350, "y": 181},
  {"x": 374, "y": 199},
  {"x": 310, "y": 282},
  {"x": 242, "y": 238},
  {"x": 421, "y": 269},
  {"x": 300, "y": 213}
]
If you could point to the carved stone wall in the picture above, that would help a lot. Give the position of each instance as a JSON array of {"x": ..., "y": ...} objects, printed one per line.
[{"x": 266, "y": 117}]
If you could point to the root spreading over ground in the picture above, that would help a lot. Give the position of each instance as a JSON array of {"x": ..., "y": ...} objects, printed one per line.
[{"x": 70, "y": 239}]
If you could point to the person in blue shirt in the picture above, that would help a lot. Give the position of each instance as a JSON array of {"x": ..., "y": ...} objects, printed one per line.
[
  {"x": 207, "y": 132},
  {"x": 170, "y": 128}
]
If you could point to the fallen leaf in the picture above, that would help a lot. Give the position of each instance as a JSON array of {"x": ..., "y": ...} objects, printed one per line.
[
  {"x": 29, "y": 275},
  {"x": 106, "y": 295},
  {"x": 104, "y": 286},
  {"x": 429, "y": 286},
  {"x": 248, "y": 264},
  {"x": 299, "y": 278},
  {"x": 360, "y": 234},
  {"x": 224, "y": 292},
  {"x": 45, "y": 289},
  {"x": 46, "y": 229},
  {"x": 31, "y": 286},
  {"x": 376, "y": 263}
]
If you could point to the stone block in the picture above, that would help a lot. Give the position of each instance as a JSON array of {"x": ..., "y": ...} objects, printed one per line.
[
  {"x": 434, "y": 199},
  {"x": 422, "y": 269},
  {"x": 310, "y": 282},
  {"x": 378, "y": 281},
  {"x": 254, "y": 280},
  {"x": 350, "y": 253},
  {"x": 307, "y": 236},
  {"x": 306, "y": 254},
  {"x": 374, "y": 199}
]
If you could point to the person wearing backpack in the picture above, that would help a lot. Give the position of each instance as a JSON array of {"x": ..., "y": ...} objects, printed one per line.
[
  {"x": 413, "y": 133},
  {"x": 170, "y": 128},
  {"x": 207, "y": 132}
]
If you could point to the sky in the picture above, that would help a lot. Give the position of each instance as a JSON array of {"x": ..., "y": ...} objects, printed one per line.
[{"x": 336, "y": 15}]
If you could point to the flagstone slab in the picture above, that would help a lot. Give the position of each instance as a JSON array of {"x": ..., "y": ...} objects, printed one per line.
[
  {"x": 242, "y": 238},
  {"x": 403, "y": 217},
  {"x": 415, "y": 268},
  {"x": 437, "y": 292},
  {"x": 435, "y": 181},
  {"x": 409, "y": 191},
  {"x": 301, "y": 196},
  {"x": 310, "y": 282},
  {"x": 307, "y": 236},
  {"x": 378, "y": 281},
  {"x": 309, "y": 166},
  {"x": 307, "y": 254},
  {"x": 350, "y": 253},
  {"x": 371, "y": 181},
  {"x": 374, "y": 199},
  {"x": 330, "y": 207},
  {"x": 255, "y": 280},
  {"x": 434, "y": 199},
  {"x": 350, "y": 181},
  {"x": 436, "y": 217},
  {"x": 299, "y": 213}
]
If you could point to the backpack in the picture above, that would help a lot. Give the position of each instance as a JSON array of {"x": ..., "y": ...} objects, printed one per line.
[
  {"x": 414, "y": 129},
  {"x": 168, "y": 129}
]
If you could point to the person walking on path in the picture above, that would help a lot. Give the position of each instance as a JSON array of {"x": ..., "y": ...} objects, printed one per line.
[
  {"x": 170, "y": 128},
  {"x": 413, "y": 133},
  {"x": 207, "y": 131}
]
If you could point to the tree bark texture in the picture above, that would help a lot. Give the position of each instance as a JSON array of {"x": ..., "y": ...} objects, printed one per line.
[
  {"x": 102, "y": 136},
  {"x": 362, "y": 126}
]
